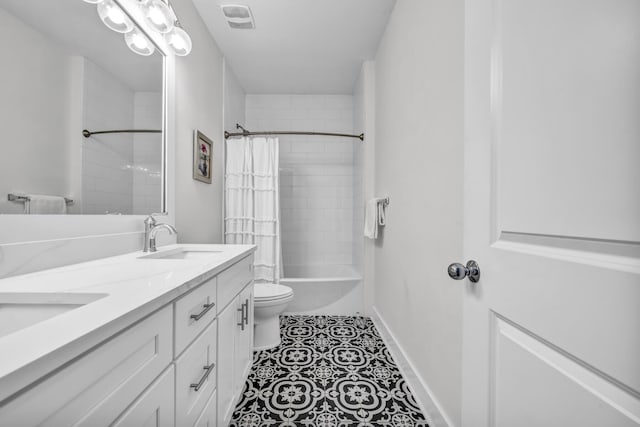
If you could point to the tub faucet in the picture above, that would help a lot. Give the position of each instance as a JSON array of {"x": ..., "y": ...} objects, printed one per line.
[{"x": 151, "y": 228}]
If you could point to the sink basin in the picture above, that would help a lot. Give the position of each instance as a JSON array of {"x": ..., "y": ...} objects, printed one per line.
[
  {"x": 184, "y": 253},
  {"x": 19, "y": 310}
]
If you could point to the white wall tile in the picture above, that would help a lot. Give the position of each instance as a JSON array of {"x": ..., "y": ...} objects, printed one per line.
[{"x": 316, "y": 174}]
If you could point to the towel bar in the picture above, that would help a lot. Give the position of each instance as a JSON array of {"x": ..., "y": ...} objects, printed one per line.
[{"x": 23, "y": 198}]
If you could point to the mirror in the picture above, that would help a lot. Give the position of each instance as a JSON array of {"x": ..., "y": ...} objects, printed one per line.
[{"x": 65, "y": 71}]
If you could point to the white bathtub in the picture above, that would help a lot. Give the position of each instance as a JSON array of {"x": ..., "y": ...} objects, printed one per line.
[{"x": 324, "y": 289}]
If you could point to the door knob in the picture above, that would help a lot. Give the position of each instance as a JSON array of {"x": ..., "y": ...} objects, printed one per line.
[{"x": 458, "y": 271}]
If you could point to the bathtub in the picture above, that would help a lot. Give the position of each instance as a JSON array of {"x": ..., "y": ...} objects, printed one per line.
[{"x": 324, "y": 289}]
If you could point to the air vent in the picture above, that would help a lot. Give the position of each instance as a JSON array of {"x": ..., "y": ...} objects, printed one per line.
[{"x": 238, "y": 16}]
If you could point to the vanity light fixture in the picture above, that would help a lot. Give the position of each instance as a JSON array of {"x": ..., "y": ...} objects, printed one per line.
[
  {"x": 179, "y": 40},
  {"x": 113, "y": 17},
  {"x": 158, "y": 16},
  {"x": 138, "y": 43}
]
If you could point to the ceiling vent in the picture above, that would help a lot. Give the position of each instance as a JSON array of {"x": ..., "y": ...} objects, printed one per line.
[{"x": 238, "y": 16}]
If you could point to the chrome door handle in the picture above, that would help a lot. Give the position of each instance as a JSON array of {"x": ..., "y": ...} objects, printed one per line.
[
  {"x": 458, "y": 271},
  {"x": 246, "y": 312},
  {"x": 206, "y": 307},
  {"x": 208, "y": 369}
]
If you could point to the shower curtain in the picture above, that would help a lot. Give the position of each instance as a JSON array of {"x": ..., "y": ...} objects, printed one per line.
[{"x": 252, "y": 204}]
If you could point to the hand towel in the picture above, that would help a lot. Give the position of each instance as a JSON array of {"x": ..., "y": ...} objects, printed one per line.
[
  {"x": 45, "y": 205},
  {"x": 371, "y": 219},
  {"x": 381, "y": 218}
]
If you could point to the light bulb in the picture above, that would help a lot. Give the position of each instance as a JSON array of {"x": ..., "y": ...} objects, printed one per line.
[
  {"x": 179, "y": 41},
  {"x": 159, "y": 16},
  {"x": 113, "y": 17},
  {"x": 138, "y": 43}
]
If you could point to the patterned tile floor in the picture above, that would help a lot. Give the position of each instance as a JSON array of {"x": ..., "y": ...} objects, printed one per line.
[{"x": 329, "y": 371}]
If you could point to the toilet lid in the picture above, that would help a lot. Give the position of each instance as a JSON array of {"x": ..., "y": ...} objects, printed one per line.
[{"x": 270, "y": 291}]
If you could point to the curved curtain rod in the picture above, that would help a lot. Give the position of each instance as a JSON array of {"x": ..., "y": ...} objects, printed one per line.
[
  {"x": 245, "y": 132},
  {"x": 87, "y": 133}
]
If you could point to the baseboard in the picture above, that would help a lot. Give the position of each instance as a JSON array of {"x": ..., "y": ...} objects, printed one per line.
[{"x": 432, "y": 410}]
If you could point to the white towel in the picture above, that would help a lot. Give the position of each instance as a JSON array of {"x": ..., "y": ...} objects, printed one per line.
[
  {"x": 43, "y": 205},
  {"x": 371, "y": 219},
  {"x": 381, "y": 213}
]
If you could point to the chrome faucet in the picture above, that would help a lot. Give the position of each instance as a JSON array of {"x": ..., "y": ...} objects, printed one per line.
[{"x": 151, "y": 228}]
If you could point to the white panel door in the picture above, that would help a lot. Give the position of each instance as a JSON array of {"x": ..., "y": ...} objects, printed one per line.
[{"x": 552, "y": 213}]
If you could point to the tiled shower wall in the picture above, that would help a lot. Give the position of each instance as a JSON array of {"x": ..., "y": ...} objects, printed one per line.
[
  {"x": 107, "y": 183},
  {"x": 316, "y": 174},
  {"x": 147, "y": 153},
  {"x": 121, "y": 173}
]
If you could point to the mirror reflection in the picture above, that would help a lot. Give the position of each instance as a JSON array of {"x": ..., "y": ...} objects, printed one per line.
[{"x": 64, "y": 71}]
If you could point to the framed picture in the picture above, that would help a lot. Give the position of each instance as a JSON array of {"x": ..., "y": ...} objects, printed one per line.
[{"x": 202, "y": 153}]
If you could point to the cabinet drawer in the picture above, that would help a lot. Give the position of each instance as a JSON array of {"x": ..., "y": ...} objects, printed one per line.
[
  {"x": 233, "y": 279},
  {"x": 194, "y": 311},
  {"x": 155, "y": 406},
  {"x": 98, "y": 387},
  {"x": 208, "y": 416},
  {"x": 196, "y": 376}
]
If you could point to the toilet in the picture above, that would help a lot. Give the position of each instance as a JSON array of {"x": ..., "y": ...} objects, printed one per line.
[{"x": 270, "y": 300}]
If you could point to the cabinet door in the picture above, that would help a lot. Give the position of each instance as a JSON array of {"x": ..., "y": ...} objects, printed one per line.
[
  {"x": 233, "y": 280},
  {"x": 154, "y": 408},
  {"x": 228, "y": 321},
  {"x": 196, "y": 377},
  {"x": 208, "y": 416},
  {"x": 98, "y": 387},
  {"x": 244, "y": 343}
]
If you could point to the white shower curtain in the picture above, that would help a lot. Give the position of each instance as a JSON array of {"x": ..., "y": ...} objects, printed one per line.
[{"x": 252, "y": 202}]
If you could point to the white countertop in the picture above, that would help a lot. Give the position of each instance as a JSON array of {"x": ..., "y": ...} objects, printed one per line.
[{"x": 133, "y": 289}]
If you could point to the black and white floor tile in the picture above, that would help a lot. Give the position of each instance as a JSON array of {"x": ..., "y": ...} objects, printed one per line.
[{"x": 329, "y": 371}]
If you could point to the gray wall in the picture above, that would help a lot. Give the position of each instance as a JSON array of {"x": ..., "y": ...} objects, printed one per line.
[
  {"x": 234, "y": 100},
  {"x": 418, "y": 163},
  {"x": 199, "y": 106}
]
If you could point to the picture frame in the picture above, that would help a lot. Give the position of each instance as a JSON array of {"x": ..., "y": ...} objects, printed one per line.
[{"x": 202, "y": 155}]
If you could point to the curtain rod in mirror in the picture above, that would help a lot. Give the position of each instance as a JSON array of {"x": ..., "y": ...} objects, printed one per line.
[
  {"x": 245, "y": 132},
  {"x": 87, "y": 133}
]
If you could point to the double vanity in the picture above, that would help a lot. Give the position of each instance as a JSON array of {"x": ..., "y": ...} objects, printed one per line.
[{"x": 139, "y": 339}]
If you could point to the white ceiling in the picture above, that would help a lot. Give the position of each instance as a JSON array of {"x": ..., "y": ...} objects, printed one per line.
[
  {"x": 77, "y": 28},
  {"x": 299, "y": 46}
]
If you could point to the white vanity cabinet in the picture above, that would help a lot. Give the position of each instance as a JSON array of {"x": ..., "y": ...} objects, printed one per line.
[
  {"x": 183, "y": 365},
  {"x": 244, "y": 342},
  {"x": 235, "y": 340},
  {"x": 155, "y": 407},
  {"x": 95, "y": 389}
]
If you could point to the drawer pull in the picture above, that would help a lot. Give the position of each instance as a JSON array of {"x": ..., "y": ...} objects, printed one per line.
[
  {"x": 246, "y": 312},
  {"x": 207, "y": 372},
  {"x": 206, "y": 307},
  {"x": 241, "y": 323}
]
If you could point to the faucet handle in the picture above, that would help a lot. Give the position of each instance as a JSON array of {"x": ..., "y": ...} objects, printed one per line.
[{"x": 150, "y": 220}]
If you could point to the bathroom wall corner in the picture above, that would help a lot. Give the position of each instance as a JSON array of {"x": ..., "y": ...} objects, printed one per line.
[
  {"x": 364, "y": 178},
  {"x": 199, "y": 105},
  {"x": 426, "y": 399}
]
